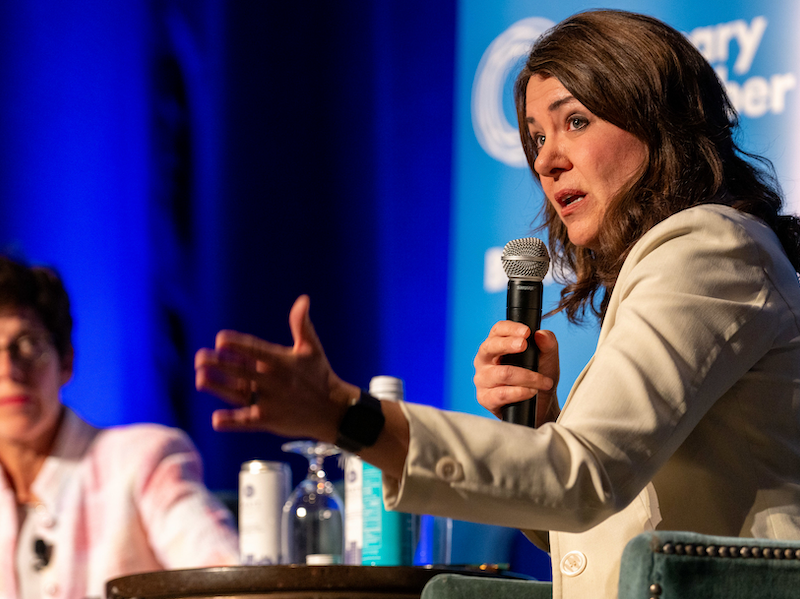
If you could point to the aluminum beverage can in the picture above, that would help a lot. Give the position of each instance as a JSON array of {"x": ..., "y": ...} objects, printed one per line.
[{"x": 263, "y": 489}]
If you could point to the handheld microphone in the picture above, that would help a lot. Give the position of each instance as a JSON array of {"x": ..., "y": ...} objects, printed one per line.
[{"x": 525, "y": 262}]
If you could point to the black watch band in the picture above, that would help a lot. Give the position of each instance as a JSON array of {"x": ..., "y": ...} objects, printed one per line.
[{"x": 362, "y": 423}]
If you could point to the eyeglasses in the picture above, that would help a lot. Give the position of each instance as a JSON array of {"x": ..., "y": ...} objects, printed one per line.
[{"x": 27, "y": 349}]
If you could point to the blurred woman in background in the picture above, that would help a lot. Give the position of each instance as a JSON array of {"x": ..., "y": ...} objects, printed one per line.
[{"x": 80, "y": 505}]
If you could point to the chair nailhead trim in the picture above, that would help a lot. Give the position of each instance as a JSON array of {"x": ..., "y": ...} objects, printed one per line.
[
  {"x": 746, "y": 551},
  {"x": 655, "y": 590}
]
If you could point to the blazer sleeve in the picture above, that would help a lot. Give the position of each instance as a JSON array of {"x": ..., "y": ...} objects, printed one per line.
[
  {"x": 693, "y": 310},
  {"x": 187, "y": 526}
]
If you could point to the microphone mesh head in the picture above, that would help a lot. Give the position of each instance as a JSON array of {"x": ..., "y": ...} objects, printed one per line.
[{"x": 525, "y": 258}]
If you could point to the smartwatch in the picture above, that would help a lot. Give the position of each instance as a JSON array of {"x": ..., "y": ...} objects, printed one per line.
[{"x": 362, "y": 423}]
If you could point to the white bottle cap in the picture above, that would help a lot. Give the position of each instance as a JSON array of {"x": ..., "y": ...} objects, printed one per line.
[
  {"x": 322, "y": 559},
  {"x": 386, "y": 387}
]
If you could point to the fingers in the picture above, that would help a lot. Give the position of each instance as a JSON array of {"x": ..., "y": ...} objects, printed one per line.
[
  {"x": 502, "y": 385},
  {"x": 506, "y": 337},
  {"x": 233, "y": 345},
  {"x": 237, "y": 359},
  {"x": 228, "y": 373},
  {"x": 495, "y": 399},
  {"x": 247, "y": 418},
  {"x": 499, "y": 384},
  {"x": 225, "y": 381},
  {"x": 509, "y": 328},
  {"x": 303, "y": 333},
  {"x": 546, "y": 341},
  {"x": 548, "y": 354},
  {"x": 297, "y": 393},
  {"x": 506, "y": 375},
  {"x": 493, "y": 348}
]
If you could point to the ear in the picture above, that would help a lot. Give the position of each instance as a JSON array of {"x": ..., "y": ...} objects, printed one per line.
[{"x": 66, "y": 366}]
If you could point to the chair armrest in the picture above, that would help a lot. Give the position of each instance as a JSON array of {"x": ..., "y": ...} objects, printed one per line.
[
  {"x": 460, "y": 586},
  {"x": 666, "y": 564}
]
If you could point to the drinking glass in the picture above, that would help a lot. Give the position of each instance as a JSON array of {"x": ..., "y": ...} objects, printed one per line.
[{"x": 312, "y": 528}]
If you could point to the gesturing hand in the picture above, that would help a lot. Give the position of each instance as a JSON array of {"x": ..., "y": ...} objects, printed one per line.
[
  {"x": 501, "y": 384},
  {"x": 295, "y": 390}
]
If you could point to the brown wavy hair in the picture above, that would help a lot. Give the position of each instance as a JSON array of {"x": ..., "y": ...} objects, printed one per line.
[{"x": 646, "y": 78}]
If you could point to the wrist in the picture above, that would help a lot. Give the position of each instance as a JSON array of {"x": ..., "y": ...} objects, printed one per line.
[
  {"x": 338, "y": 400},
  {"x": 361, "y": 424}
]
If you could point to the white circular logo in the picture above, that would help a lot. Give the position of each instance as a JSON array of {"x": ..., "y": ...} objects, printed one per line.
[{"x": 495, "y": 134}]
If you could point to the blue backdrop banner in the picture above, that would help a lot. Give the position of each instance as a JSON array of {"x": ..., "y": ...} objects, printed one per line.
[{"x": 752, "y": 46}]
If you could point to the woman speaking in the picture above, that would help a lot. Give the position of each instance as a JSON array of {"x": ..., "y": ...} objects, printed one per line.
[
  {"x": 686, "y": 417},
  {"x": 81, "y": 505}
]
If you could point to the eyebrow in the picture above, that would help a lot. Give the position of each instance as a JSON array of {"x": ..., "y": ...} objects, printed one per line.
[
  {"x": 28, "y": 333},
  {"x": 554, "y": 105}
]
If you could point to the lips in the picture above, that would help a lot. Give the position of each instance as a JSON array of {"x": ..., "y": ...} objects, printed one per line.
[
  {"x": 571, "y": 200},
  {"x": 14, "y": 400},
  {"x": 568, "y": 197}
]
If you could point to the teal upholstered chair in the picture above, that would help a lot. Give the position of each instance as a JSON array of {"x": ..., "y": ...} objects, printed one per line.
[
  {"x": 666, "y": 565},
  {"x": 688, "y": 565},
  {"x": 460, "y": 586}
]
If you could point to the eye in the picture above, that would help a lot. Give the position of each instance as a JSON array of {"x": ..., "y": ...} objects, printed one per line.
[
  {"x": 538, "y": 141},
  {"x": 30, "y": 347},
  {"x": 576, "y": 122}
]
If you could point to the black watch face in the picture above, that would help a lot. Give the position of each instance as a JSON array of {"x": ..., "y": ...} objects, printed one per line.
[{"x": 362, "y": 423}]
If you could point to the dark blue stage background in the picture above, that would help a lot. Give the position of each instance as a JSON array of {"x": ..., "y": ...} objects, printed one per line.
[
  {"x": 192, "y": 165},
  {"x": 195, "y": 165}
]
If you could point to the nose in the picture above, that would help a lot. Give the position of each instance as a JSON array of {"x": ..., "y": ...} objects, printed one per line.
[
  {"x": 551, "y": 160},
  {"x": 8, "y": 366}
]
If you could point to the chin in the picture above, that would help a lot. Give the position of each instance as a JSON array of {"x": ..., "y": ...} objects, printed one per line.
[
  {"x": 583, "y": 242},
  {"x": 583, "y": 238}
]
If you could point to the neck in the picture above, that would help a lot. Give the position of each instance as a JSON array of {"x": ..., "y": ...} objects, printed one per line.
[{"x": 22, "y": 462}]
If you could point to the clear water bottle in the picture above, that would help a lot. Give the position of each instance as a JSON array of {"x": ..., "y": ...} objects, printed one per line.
[{"x": 373, "y": 535}]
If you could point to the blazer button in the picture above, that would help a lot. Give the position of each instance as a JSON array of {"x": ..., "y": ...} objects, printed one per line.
[
  {"x": 450, "y": 470},
  {"x": 46, "y": 519},
  {"x": 573, "y": 563}
]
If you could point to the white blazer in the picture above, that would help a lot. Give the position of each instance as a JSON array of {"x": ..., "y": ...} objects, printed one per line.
[{"x": 686, "y": 417}]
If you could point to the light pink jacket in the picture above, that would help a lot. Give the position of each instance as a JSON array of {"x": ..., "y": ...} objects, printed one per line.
[{"x": 117, "y": 501}]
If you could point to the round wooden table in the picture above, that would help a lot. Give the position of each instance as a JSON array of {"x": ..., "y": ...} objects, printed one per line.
[{"x": 282, "y": 582}]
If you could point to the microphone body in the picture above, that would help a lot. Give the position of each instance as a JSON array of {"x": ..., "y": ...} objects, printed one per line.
[
  {"x": 525, "y": 262},
  {"x": 524, "y": 305}
]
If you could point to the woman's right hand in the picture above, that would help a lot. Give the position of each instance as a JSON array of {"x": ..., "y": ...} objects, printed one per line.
[
  {"x": 291, "y": 391},
  {"x": 501, "y": 384}
]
